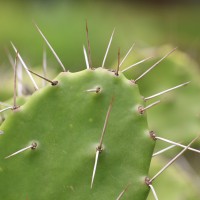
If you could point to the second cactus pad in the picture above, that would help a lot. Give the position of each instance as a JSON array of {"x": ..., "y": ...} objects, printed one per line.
[{"x": 65, "y": 123}]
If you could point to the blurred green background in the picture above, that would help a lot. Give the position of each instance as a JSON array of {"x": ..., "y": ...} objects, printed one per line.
[
  {"x": 154, "y": 26},
  {"x": 147, "y": 23}
]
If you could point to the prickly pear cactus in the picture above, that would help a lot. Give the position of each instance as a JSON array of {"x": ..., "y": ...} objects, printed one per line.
[
  {"x": 66, "y": 121},
  {"x": 85, "y": 136}
]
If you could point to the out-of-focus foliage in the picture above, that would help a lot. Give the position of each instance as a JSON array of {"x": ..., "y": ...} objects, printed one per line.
[
  {"x": 174, "y": 183},
  {"x": 63, "y": 23}
]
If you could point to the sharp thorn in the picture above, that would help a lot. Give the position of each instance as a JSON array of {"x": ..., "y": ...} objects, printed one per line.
[
  {"x": 32, "y": 146},
  {"x": 96, "y": 90},
  {"x": 122, "y": 193},
  {"x": 172, "y": 160},
  {"x": 163, "y": 150},
  {"x": 95, "y": 167},
  {"x": 86, "y": 58},
  {"x": 141, "y": 110},
  {"x": 10, "y": 107},
  {"x": 89, "y": 49},
  {"x": 153, "y": 66},
  {"x": 50, "y": 47},
  {"x": 165, "y": 91},
  {"x": 117, "y": 71},
  {"x": 105, "y": 124},
  {"x": 126, "y": 55},
  {"x": 124, "y": 70},
  {"x": 177, "y": 144},
  {"x": 99, "y": 148},
  {"x": 25, "y": 67},
  {"x": 104, "y": 59},
  {"x": 53, "y": 83},
  {"x": 153, "y": 191}
]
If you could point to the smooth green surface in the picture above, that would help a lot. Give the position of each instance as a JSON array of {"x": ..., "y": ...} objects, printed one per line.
[{"x": 67, "y": 122}]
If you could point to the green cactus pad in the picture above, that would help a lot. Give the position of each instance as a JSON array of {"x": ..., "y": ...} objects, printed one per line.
[{"x": 66, "y": 122}]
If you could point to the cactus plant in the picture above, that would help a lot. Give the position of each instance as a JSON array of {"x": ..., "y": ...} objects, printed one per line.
[{"x": 83, "y": 136}]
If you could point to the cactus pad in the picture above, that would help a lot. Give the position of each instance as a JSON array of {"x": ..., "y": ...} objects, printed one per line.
[{"x": 66, "y": 123}]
